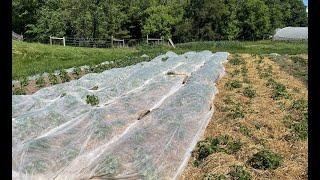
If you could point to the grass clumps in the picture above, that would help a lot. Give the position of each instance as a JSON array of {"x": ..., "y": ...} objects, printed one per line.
[
  {"x": 237, "y": 61},
  {"x": 265, "y": 159},
  {"x": 19, "y": 91},
  {"x": 299, "y": 125},
  {"x": 245, "y": 130},
  {"x": 300, "y": 129},
  {"x": 238, "y": 172},
  {"x": 77, "y": 72},
  {"x": 214, "y": 177},
  {"x": 24, "y": 82},
  {"x": 92, "y": 100},
  {"x": 64, "y": 76},
  {"x": 53, "y": 79},
  {"x": 300, "y": 105},
  {"x": 233, "y": 84},
  {"x": 236, "y": 111},
  {"x": 279, "y": 90},
  {"x": 211, "y": 145},
  {"x": 249, "y": 92},
  {"x": 40, "y": 82}
]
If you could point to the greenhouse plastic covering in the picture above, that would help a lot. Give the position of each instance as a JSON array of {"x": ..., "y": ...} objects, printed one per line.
[
  {"x": 148, "y": 120},
  {"x": 291, "y": 33}
]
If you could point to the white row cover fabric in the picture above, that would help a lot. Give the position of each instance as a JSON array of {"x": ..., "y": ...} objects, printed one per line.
[
  {"x": 291, "y": 33},
  {"x": 145, "y": 126}
]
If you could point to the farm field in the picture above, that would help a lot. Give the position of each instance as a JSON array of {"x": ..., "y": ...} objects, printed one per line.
[{"x": 259, "y": 127}]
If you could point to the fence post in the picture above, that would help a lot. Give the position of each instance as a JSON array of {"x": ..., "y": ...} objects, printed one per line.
[
  {"x": 111, "y": 41},
  {"x": 147, "y": 39},
  {"x": 64, "y": 41},
  {"x": 50, "y": 41}
]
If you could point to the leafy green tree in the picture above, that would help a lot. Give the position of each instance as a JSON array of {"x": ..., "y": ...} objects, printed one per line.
[
  {"x": 207, "y": 17},
  {"x": 254, "y": 21},
  {"x": 229, "y": 27},
  {"x": 158, "y": 21},
  {"x": 298, "y": 14}
]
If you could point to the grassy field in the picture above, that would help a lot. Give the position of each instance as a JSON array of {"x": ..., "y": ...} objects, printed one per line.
[
  {"x": 34, "y": 58},
  {"x": 259, "y": 127}
]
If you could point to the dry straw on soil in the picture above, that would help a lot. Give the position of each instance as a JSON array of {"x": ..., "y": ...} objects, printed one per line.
[{"x": 263, "y": 117}]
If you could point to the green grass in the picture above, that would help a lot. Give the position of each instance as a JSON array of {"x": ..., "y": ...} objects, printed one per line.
[{"x": 34, "y": 58}]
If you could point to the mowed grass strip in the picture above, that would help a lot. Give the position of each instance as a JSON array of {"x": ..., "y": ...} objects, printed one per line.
[{"x": 35, "y": 58}]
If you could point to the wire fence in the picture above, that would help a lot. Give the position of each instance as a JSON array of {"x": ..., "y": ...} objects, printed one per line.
[{"x": 99, "y": 42}]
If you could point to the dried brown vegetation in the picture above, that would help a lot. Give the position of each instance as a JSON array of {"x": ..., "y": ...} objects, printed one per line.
[{"x": 260, "y": 122}]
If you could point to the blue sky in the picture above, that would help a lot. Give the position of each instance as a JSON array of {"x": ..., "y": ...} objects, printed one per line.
[{"x": 305, "y": 2}]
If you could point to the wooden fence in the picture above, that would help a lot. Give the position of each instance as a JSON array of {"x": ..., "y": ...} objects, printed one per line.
[{"x": 99, "y": 42}]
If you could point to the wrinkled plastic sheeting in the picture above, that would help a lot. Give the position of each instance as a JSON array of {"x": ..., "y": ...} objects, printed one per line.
[
  {"x": 145, "y": 126},
  {"x": 291, "y": 33}
]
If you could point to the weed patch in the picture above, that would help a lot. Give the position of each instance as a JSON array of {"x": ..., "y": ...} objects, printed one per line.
[
  {"x": 64, "y": 76},
  {"x": 40, "y": 82},
  {"x": 236, "y": 61},
  {"x": 236, "y": 111},
  {"x": 92, "y": 99},
  {"x": 211, "y": 145},
  {"x": 249, "y": 92},
  {"x": 77, "y": 72},
  {"x": 19, "y": 91},
  {"x": 265, "y": 160},
  {"x": 24, "y": 82},
  {"x": 214, "y": 177},
  {"x": 53, "y": 79},
  {"x": 245, "y": 131},
  {"x": 233, "y": 84},
  {"x": 238, "y": 172}
]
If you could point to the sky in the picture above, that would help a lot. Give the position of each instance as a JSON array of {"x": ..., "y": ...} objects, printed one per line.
[{"x": 305, "y": 2}]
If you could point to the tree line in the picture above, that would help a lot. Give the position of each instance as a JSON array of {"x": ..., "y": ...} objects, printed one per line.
[{"x": 181, "y": 20}]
